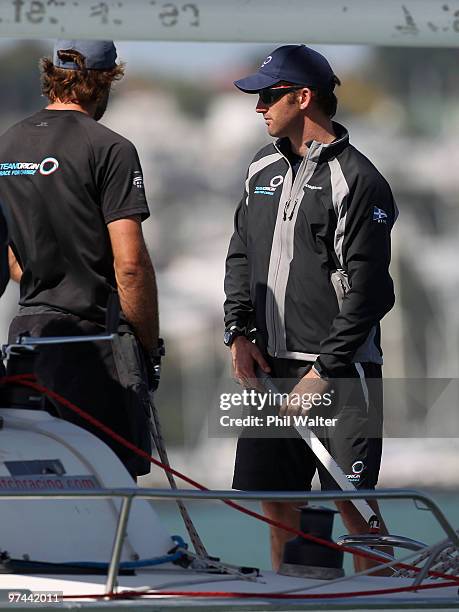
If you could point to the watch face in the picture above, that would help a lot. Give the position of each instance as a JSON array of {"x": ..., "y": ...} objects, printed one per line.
[{"x": 227, "y": 336}]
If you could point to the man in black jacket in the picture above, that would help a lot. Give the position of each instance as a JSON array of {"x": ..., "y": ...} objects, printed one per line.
[{"x": 307, "y": 277}]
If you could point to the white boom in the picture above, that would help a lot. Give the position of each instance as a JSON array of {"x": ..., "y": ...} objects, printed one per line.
[{"x": 433, "y": 23}]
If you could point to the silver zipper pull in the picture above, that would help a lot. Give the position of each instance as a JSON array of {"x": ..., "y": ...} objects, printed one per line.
[
  {"x": 286, "y": 207},
  {"x": 293, "y": 210}
]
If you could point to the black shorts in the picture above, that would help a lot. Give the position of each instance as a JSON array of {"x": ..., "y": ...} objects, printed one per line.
[
  {"x": 287, "y": 463},
  {"x": 106, "y": 379}
]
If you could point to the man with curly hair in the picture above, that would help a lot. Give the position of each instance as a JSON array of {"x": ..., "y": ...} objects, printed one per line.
[{"x": 75, "y": 194}]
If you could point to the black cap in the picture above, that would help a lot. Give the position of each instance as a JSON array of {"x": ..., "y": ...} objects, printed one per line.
[
  {"x": 296, "y": 64},
  {"x": 99, "y": 54}
]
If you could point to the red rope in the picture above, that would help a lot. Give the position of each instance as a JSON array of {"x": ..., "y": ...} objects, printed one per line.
[
  {"x": 234, "y": 594},
  {"x": 25, "y": 380}
]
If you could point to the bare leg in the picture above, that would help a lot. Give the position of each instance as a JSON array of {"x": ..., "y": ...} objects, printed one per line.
[
  {"x": 355, "y": 523},
  {"x": 288, "y": 514}
]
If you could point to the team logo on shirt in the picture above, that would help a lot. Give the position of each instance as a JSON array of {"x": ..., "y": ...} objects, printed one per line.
[
  {"x": 138, "y": 179},
  {"x": 45, "y": 167},
  {"x": 138, "y": 182},
  {"x": 379, "y": 215},
  {"x": 271, "y": 188},
  {"x": 48, "y": 166}
]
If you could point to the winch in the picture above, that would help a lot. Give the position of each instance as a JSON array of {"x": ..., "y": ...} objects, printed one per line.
[{"x": 303, "y": 558}]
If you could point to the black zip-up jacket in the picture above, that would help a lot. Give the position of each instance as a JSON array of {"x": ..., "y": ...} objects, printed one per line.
[{"x": 290, "y": 237}]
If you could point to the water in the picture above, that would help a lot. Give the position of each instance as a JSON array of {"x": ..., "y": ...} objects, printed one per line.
[{"x": 243, "y": 540}]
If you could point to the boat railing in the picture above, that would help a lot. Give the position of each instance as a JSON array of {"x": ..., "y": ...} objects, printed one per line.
[{"x": 128, "y": 495}]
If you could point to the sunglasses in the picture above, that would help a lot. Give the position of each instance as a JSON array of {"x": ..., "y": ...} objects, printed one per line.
[{"x": 269, "y": 95}]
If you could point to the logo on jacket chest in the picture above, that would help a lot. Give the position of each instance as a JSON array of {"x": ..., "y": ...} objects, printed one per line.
[{"x": 271, "y": 188}]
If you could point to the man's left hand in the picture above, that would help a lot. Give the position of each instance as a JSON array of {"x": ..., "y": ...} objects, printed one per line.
[{"x": 309, "y": 385}]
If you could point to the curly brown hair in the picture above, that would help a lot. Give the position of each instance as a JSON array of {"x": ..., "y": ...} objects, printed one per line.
[{"x": 80, "y": 86}]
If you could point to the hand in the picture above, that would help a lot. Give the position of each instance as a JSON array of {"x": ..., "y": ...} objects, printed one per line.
[
  {"x": 245, "y": 355},
  {"x": 310, "y": 384}
]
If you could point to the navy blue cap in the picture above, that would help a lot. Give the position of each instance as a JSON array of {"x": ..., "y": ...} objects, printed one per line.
[
  {"x": 296, "y": 64},
  {"x": 99, "y": 54}
]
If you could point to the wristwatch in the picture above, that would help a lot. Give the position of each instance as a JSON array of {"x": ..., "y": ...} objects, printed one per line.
[
  {"x": 231, "y": 334},
  {"x": 320, "y": 370}
]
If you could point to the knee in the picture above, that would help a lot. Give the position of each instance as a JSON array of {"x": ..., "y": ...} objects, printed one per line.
[{"x": 346, "y": 508}]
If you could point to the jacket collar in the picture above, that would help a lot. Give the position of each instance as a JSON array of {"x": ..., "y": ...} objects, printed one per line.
[{"x": 318, "y": 151}]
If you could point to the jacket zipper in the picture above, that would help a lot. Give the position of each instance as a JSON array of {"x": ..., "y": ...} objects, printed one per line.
[
  {"x": 303, "y": 165},
  {"x": 279, "y": 259},
  {"x": 286, "y": 207},
  {"x": 293, "y": 210},
  {"x": 297, "y": 186}
]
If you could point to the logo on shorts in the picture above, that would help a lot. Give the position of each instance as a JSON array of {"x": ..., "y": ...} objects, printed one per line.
[{"x": 357, "y": 469}]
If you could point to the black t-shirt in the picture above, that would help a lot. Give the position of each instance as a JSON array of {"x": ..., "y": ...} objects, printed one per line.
[
  {"x": 4, "y": 268},
  {"x": 64, "y": 177}
]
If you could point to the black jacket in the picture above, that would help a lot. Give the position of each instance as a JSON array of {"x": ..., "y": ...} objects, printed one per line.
[{"x": 289, "y": 239}]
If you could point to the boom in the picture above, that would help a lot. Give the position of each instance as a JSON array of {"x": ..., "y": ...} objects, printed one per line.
[{"x": 433, "y": 23}]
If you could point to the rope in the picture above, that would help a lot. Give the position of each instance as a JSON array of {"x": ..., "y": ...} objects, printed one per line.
[
  {"x": 180, "y": 551},
  {"x": 25, "y": 380},
  {"x": 446, "y": 560},
  {"x": 365, "y": 572},
  {"x": 156, "y": 434}
]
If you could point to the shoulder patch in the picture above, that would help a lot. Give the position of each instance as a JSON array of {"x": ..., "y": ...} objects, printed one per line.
[{"x": 379, "y": 215}]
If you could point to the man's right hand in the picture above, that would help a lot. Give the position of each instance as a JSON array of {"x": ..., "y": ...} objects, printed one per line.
[{"x": 245, "y": 356}]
